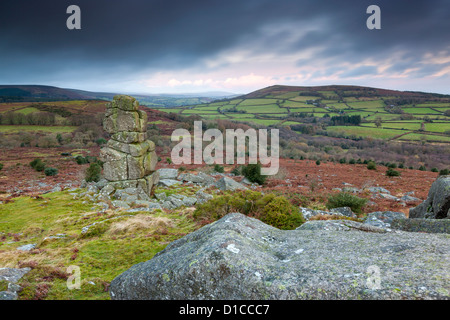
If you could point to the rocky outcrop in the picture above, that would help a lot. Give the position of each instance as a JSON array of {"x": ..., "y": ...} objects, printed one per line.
[
  {"x": 239, "y": 257},
  {"x": 342, "y": 211},
  {"x": 11, "y": 276},
  {"x": 437, "y": 204},
  {"x": 129, "y": 158}
]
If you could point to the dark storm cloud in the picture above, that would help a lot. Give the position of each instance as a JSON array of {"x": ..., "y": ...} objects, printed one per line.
[{"x": 134, "y": 35}]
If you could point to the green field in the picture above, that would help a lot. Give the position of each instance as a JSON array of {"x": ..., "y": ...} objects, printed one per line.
[{"x": 289, "y": 107}]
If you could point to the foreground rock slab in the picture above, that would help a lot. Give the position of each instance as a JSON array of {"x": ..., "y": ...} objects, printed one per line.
[
  {"x": 239, "y": 257},
  {"x": 437, "y": 204}
]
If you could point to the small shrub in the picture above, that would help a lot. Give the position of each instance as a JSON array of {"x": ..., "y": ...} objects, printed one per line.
[
  {"x": 91, "y": 159},
  {"x": 81, "y": 160},
  {"x": 343, "y": 160},
  {"x": 237, "y": 171},
  {"x": 444, "y": 172},
  {"x": 422, "y": 168},
  {"x": 401, "y": 166},
  {"x": 181, "y": 169},
  {"x": 37, "y": 165},
  {"x": 434, "y": 170},
  {"x": 345, "y": 199},
  {"x": 274, "y": 210},
  {"x": 253, "y": 173},
  {"x": 168, "y": 160},
  {"x": 366, "y": 161},
  {"x": 392, "y": 165},
  {"x": 218, "y": 168},
  {"x": 318, "y": 162},
  {"x": 1, "y": 166},
  {"x": 100, "y": 141},
  {"x": 352, "y": 161},
  {"x": 51, "y": 171},
  {"x": 371, "y": 165},
  {"x": 93, "y": 172},
  {"x": 392, "y": 173}
]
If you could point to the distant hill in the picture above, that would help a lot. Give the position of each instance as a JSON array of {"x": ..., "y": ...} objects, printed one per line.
[
  {"x": 345, "y": 90},
  {"x": 17, "y": 93},
  {"x": 38, "y": 93}
]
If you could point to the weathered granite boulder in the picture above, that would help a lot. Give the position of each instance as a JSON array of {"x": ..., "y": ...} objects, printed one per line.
[
  {"x": 228, "y": 184},
  {"x": 342, "y": 211},
  {"x": 437, "y": 204},
  {"x": 200, "y": 178},
  {"x": 239, "y": 257},
  {"x": 385, "y": 216},
  {"x": 422, "y": 225},
  {"x": 168, "y": 174},
  {"x": 11, "y": 276},
  {"x": 129, "y": 159}
]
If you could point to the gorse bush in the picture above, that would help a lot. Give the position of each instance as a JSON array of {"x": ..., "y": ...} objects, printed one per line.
[
  {"x": 371, "y": 165},
  {"x": 443, "y": 172},
  {"x": 81, "y": 160},
  {"x": 392, "y": 173},
  {"x": 93, "y": 173},
  {"x": 37, "y": 165},
  {"x": 253, "y": 173},
  {"x": 274, "y": 210},
  {"x": 345, "y": 199},
  {"x": 1, "y": 166},
  {"x": 218, "y": 168},
  {"x": 51, "y": 171}
]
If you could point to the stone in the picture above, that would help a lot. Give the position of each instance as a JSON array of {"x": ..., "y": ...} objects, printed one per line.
[
  {"x": 120, "y": 204},
  {"x": 351, "y": 190},
  {"x": 201, "y": 178},
  {"x": 12, "y": 275},
  {"x": 129, "y": 137},
  {"x": 388, "y": 196},
  {"x": 128, "y": 157},
  {"x": 307, "y": 213},
  {"x": 169, "y": 182},
  {"x": 27, "y": 247},
  {"x": 115, "y": 167},
  {"x": 228, "y": 184},
  {"x": 241, "y": 258},
  {"x": 437, "y": 204},
  {"x": 378, "y": 190},
  {"x": 202, "y": 196},
  {"x": 168, "y": 174},
  {"x": 408, "y": 198},
  {"x": 385, "y": 217},
  {"x": 422, "y": 225},
  {"x": 344, "y": 211}
]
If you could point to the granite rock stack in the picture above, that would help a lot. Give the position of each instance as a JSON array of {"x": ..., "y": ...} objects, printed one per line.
[{"x": 129, "y": 158}]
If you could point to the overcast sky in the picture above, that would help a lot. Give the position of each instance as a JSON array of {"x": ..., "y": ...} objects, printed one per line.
[{"x": 167, "y": 46}]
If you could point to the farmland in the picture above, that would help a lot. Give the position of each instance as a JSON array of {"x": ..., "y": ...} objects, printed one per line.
[{"x": 385, "y": 114}]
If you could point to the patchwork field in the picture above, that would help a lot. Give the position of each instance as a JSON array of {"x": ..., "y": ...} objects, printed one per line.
[{"x": 385, "y": 114}]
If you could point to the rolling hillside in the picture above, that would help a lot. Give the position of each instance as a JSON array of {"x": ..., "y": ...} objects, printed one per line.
[{"x": 384, "y": 114}]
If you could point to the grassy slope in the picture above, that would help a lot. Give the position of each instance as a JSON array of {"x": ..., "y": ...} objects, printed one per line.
[{"x": 102, "y": 254}]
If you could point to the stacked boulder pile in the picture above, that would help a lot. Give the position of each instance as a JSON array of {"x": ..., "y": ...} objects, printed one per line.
[{"x": 129, "y": 158}]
